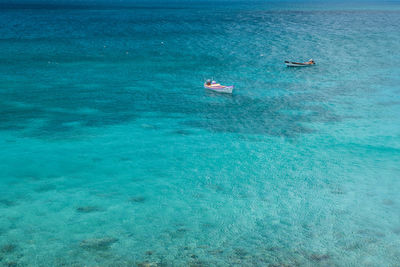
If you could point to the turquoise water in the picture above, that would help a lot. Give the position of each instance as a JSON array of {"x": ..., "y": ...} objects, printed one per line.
[{"x": 113, "y": 154}]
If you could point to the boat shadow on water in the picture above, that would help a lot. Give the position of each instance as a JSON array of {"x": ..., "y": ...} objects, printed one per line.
[{"x": 210, "y": 93}]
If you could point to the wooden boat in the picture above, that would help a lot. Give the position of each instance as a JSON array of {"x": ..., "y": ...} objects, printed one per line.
[
  {"x": 216, "y": 87},
  {"x": 297, "y": 64}
]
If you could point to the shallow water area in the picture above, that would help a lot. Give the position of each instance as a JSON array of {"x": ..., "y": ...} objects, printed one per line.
[{"x": 113, "y": 154}]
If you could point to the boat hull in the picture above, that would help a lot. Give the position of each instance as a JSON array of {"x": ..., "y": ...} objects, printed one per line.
[
  {"x": 220, "y": 89},
  {"x": 296, "y": 64}
]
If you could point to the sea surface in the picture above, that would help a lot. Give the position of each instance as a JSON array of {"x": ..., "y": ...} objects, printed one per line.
[{"x": 113, "y": 154}]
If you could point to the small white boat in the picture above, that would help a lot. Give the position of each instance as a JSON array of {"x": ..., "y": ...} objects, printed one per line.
[
  {"x": 297, "y": 64},
  {"x": 216, "y": 87}
]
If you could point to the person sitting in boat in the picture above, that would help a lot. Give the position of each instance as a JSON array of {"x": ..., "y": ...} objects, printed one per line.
[
  {"x": 208, "y": 82},
  {"x": 311, "y": 62}
]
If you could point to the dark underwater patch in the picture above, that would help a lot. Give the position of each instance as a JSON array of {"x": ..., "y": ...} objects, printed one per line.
[
  {"x": 319, "y": 257},
  {"x": 88, "y": 209},
  {"x": 137, "y": 199},
  {"x": 8, "y": 248},
  {"x": 182, "y": 132},
  {"x": 98, "y": 243},
  {"x": 45, "y": 188},
  {"x": 237, "y": 114},
  {"x": 147, "y": 264},
  {"x": 7, "y": 203}
]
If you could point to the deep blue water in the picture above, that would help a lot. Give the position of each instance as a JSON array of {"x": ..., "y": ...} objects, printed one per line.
[{"x": 113, "y": 154}]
